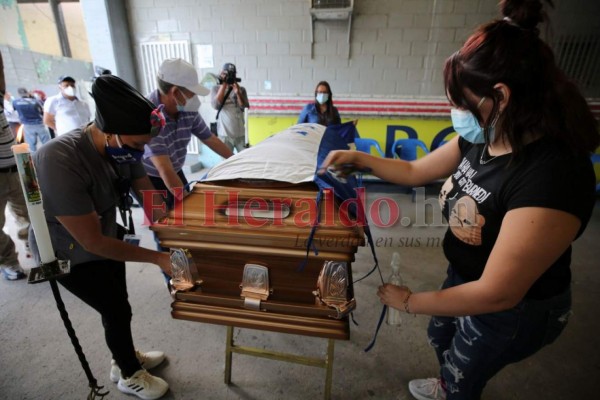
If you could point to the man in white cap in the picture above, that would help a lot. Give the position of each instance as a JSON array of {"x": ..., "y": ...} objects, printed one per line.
[
  {"x": 178, "y": 91},
  {"x": 65, "y": 112}
]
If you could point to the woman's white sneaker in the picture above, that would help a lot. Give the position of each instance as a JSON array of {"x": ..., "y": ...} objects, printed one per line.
[
  {"x": 147, "y": 360},
  {"x": 143, "y": 385},
  {"x": 427, "y": 389}
]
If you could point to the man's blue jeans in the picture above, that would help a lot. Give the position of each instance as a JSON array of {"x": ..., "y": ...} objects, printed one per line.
[
  {"x": 33, "y": 133},
  {"x": 472, "y": 349}
]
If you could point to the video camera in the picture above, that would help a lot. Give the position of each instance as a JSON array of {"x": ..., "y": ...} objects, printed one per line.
[{"x": 230, "y": 74}]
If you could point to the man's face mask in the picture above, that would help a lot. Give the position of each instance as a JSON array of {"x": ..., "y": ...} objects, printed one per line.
[
  {"x": 189, "y": 105},
  {"x": 123, "y": 154},
  {"x": 69, "y": 91}
]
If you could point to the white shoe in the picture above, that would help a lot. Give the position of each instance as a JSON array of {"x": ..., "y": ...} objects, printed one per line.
[
  {"x": 427, "y": 389},
  {"x": 143, "y": 385},
  {"x": 12, "y": 272},
  {"x": 147, "y": 360}
]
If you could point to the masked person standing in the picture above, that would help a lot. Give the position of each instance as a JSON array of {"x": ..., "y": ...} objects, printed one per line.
[
  {"x": 322, "y": 111},
  {"x": 230, "y": 100},
  {"x": 81, "y": 176},
  {"x": 520, "y": 190},
  {"x": 177, "y": 94},
  {"x": 65, "y": 111}
]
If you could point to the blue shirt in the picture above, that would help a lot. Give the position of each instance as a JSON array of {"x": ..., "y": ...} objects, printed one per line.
[
  {"x": 309, "y": 114},
  {"x": 174, "y": 137},
  {"x": 30, "y": 111}
]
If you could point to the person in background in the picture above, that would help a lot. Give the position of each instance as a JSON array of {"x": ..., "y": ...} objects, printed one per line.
[
  {"x": 178, "y": 91},
  {"x": 521, "y": 189},
  {"x": 11, "y": 115},
  {"x": 39, "y": 95},
  {"x": 230, "y": 99},
  {"x": 65, "y": 112},
  {"x": 11, "y": 196},
  {"x": 322, "y": 111},
  {"x": 30, "y": 114},
  {"x": 82, "y": 175}
]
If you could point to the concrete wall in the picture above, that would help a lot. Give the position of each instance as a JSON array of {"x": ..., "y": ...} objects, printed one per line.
[
  {"x": 397, "y": 47},
  {"x": 108, "y": 31}
]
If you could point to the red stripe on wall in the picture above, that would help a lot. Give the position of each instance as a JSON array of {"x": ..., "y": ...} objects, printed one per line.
[{"x": 261, "y": 105}]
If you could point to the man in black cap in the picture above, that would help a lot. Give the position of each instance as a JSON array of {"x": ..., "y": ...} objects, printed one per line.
[
  {"x": 230, "y": 99},
  {"x": 84, "y": 175},
  {"x": 65, "y": 111}
]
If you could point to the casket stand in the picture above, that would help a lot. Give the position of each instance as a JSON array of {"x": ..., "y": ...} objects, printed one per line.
[{"x": 221, "y": 244}]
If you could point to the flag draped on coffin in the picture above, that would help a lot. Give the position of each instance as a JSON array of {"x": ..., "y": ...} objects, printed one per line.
[
  {"x": 287, "y": 156},
  {"x": 294, "y": 156}
]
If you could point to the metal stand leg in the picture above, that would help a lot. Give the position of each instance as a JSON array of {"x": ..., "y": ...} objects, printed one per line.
[
  {"x": 329, "y": 368},
  {"x": 325, "y": 363},
  {"x": 228, "y": 355}
]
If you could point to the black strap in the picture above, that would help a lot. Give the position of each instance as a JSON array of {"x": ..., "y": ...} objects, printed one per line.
[
  {"x": 224, "y": 100},
  {"x": 95, "y": 390},
  {"x": 123, "y": 186}
]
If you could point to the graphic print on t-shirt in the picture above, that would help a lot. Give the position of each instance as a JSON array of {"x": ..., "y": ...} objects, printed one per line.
[
  {"x": 466, "y": 222},
  {"x": 464, "y": 217}
]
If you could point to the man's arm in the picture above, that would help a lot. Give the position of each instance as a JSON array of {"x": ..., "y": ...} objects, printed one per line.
[
  {"x": 219, "y": 96},
  {"x": 151, "y": 201},
  {"x": 164, "y": 166},
  {"x": 215, "y": 144},
  {"x": 49, "y": 120},
  {"x": 242, "y": 97}
]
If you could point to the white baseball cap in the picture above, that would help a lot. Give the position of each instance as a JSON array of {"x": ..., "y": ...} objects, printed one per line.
[{"x": 181, "y": 73}]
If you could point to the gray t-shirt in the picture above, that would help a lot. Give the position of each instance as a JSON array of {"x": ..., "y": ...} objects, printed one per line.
[
  {"x": 231, "y": 119},
  {"x": 76, "y": 180}
]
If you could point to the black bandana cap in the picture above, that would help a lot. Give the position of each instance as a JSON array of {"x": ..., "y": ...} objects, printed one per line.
[{"x": 121, "y": 109}]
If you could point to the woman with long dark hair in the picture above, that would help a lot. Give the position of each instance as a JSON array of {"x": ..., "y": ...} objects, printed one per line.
[
  {"x": 322, "y": 111},
  {"x": 521, "y": 189}
]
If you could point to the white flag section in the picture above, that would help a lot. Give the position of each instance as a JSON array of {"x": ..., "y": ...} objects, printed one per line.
[{"x": 287, "y": 156}]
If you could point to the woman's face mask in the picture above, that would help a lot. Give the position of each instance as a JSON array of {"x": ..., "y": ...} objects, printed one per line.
[
  {"x": 322, "y": 98},
  {"x": 123, "y": 154},
  {"x": 467, "y": 126}
]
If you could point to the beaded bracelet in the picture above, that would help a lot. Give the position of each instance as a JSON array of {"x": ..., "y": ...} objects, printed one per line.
[{"x": 405, "y": 302}]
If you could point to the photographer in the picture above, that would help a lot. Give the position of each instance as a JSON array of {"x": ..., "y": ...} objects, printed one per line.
[{"x": 230, "y": 99}]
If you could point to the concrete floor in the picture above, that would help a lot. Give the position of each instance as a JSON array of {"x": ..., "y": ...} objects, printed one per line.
[{"x": 38, "y": 361}]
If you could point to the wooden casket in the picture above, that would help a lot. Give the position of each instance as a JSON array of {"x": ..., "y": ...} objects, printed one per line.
[{"x": 229, "y": 224}]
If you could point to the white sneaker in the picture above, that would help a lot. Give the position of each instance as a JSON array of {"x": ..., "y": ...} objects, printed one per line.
[
  {"x": 427, "y": 389},
  {"x": 12, "y": 272},
  {"x": 143, "y": 385},
  {"x": 147, "y": 360}
]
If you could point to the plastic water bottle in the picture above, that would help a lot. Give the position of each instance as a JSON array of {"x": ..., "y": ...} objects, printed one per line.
[{"x": 393, "y": 315}]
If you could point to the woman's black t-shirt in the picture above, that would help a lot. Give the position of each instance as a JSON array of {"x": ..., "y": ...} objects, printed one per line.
[{"x": 483, "y": 189}]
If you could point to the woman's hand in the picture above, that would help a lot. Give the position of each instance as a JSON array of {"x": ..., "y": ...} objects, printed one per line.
[
  {"x": 338, "y": 158},
  {"x": 393, "y": 296}
]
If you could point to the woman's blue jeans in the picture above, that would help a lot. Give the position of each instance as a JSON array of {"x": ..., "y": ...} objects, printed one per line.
[{"x": 472, "y": 349}]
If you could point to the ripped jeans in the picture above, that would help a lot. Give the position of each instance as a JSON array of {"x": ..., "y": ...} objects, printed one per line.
[{"x": 472, "y": 349}]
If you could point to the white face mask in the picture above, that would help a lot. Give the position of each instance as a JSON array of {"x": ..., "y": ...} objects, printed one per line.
[
  {"x": 190, "y": 105},
  {"x": 322, "y": 98},
  {"x": 69, "y": 91}
]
